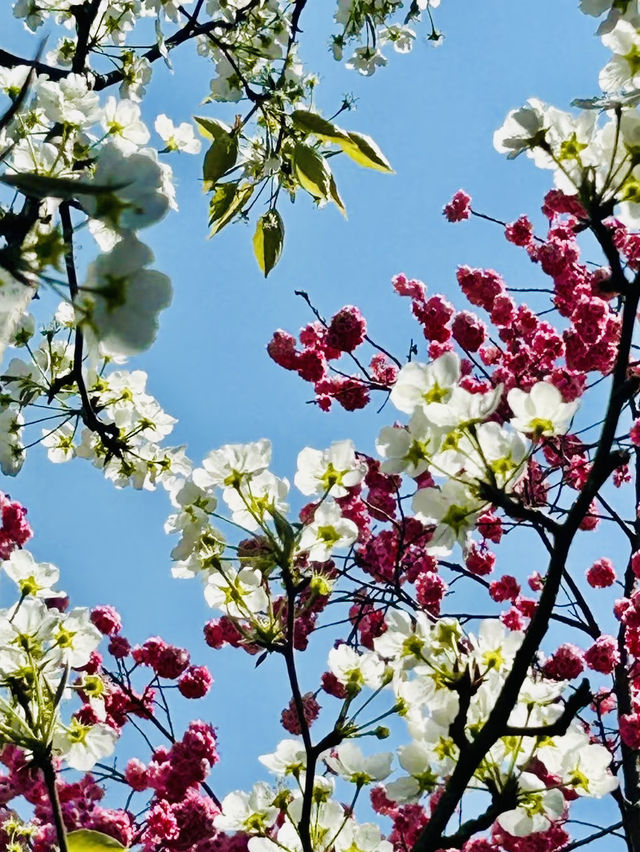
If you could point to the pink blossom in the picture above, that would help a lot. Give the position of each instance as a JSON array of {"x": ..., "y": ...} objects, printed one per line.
[
  {"x": 630, "y": 730},
  {"x": 282, "y": 349},
  {"x": 383, "y": 370},
  {"x": 480, "y": 286},
  {"x": 430, "y": 589},
  {"x": 136, "y": 775},
  {"x": 603, "y": 656},
  {"x": 468, "y": 331},
  {"x": 408, "y": 287},
  {"x": 506, "y": 588},
  {"x": 566, "y": 663},
  {"x": 459, "y": 207},
  {"x": 106, "y": 619},
  {"x": 195, "y": 682},
  {"x": 519, "y": 232},
  {"x": 119, "y": 647},
  {"x": 347, "y": 329},
  {"x": 601, "y": 574},
  {"x": 480, "y": 560},
  {"x": 289, "y": 718},
  {"x": 332, "y": 686}
]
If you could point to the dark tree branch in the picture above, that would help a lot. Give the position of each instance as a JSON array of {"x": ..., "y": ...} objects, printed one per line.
[
  {"x": 43, "y": 761},
  {"x": 85, "y": 15},
  {"x": 580, "y": 698},
  {"x": 605, "y": 462},
  {"x": 585, "y": 841},
  {"x": 108, "y": 432},
  {"x": 502, "y": 801},
  {"x": 618, "y": 282},
  {"x": 189, "y": 31},
  {"x": 465, "y": 690},
  {"x": 10, "y": 60},
  {"x": 629, "y": 804},
  {"x": 592, "y": 624},
  {"x": 516, "y": 509}
]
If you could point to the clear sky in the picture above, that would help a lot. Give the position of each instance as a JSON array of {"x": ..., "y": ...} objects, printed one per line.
[{"x": 433, "y": 113}]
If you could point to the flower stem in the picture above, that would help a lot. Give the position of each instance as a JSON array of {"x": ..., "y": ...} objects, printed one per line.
[{"x": 45, "y": 764}]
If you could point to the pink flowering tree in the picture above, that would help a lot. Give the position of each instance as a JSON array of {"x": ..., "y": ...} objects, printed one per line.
[{"x": 504, "y": 712}]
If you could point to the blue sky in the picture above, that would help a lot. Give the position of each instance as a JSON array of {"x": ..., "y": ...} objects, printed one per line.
[{"x": 433, "y": 113}]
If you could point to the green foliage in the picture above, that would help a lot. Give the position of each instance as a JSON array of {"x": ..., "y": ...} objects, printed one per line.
[
  {"x": 301, "y": 149},
  {"x": 227, "y": 201},
  {"x": 312, "y": 171},
  {"x": 365, "y": 152},
  {"x": 92, "y": 841},
  {"x": 268, "y": 240},
  {"x": 310, "y": 123},
  {"x": 211, "y": 128},
  {"x": 220, "y": 158}
]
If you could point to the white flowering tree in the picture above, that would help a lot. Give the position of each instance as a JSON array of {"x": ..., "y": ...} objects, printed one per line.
[{"x": 498, "y": 741}]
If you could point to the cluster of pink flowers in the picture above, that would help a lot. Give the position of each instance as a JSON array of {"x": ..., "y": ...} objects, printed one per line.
[
  {"x": 601, "y": 574},
  {"x": 167, "y": 661},
  {"x": 459, "y": 208},
  {"x": 79, "y": 802},
  {"x": 322, "y": 343},
  {"x": 180, "y": 815},
  {"x": 15, "y": 530},
  {"x": 566, "y": 663},
  {"x": 531, "y": 348},
  {"x": 289, "y": 718}
]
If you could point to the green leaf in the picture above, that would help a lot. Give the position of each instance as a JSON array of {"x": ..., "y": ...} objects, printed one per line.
[
  {"x": 211, "y": 128},
  {"x": 312, "y": 123},
  {"x": 335, "y": 196},
  {"x": 286, "y": 533},
  {"x": 43, "y": 186},
  {"x": 227, "y": 201},
  {"x": 312, "y": 171},
  {"x": 365, "y": 151},
  {"x": 268, "y": 240},
  {"x": 91, "y": 841},
  {"x": 220, "y": 157}
]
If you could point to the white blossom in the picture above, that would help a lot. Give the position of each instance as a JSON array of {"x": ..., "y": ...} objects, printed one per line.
[
  {"x": 331, "y": 471},
  {"x": 328, "y": 531},
  {"x": 541, "y": 411}
]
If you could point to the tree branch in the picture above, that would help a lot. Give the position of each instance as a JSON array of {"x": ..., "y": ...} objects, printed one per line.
[
  {"x": 605, "y": 462},
  {"x": 502, "y": 801},
  {"x": 580, "y": 698}
]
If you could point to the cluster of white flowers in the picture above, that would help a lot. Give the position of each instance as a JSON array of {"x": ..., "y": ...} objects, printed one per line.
[
  {"x": 65, "y": 144},
  {"x": 429, "y": 663},
  {"x": 259, "y": 48},
  {"x": 256, "y": 502},
  {"x": 39, "y": 645},
  {"x": 450, "y": 435},
  {"x": 121, "y": 185},
  {"x": 428, "y": 668},
  {"x": 131, "y": 420},
  {"x": 331, "y": 829},
  {"x": 591, "y": 155},
  {"x": 82, "y": 157},
  {"x": 376, "y": 24}
]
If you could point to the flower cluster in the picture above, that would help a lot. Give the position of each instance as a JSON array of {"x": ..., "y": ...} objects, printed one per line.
[
  {"x": 443, "y": 682},
  {"x": 48, "y": 658},
  {"x": 490, "y": 435}
]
